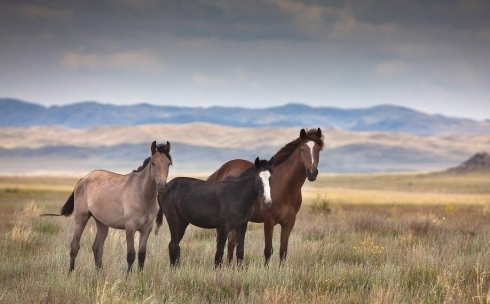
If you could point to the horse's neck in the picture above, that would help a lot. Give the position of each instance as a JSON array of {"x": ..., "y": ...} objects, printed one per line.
[
  {"x": 291, "y": 171},
  {"x": 246, "y": 187},
  {"x": 147, "y": 184}
]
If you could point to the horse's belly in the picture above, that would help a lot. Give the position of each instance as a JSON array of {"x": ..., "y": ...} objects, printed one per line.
[
  {"x": 113, "y": 220},
  {"x": 201, "y": 217}
]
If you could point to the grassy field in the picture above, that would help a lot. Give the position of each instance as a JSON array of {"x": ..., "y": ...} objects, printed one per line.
[{"x": 399, "y": 238}]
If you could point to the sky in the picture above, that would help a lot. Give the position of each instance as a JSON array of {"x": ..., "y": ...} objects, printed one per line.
[{"x": 430, "y": 55}]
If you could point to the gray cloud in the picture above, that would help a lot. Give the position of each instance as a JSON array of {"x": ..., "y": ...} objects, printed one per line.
[{"x": 431, "y": 55}]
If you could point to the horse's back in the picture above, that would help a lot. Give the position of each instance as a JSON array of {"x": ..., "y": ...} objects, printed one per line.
[
  {"x": 197, "y": 201},
  {"x": 230, "y": 168}
]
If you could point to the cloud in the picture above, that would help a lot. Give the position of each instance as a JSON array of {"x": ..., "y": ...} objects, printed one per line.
[
  {"x": 139, "y": 5},
  {"x": 302, "y": 13},
  {"x": 390, "y": 69},
  {"x": 484, "y": 34},
  {"x": 138, "y": 61},
  {"x": 204, "y": 80},
  {"x": 35, "y": 12},
  {"x": 347, "y": 26},
  {"x": 236, "y": 77}
]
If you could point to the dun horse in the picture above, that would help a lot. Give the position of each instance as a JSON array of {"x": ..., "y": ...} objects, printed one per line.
[
  {"x": 225, "y": 205},
  {"x": 119, "y": 201},
  {"x": 295, "y": 162}
]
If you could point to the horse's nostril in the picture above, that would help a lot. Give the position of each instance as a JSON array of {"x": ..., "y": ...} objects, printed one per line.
[{"x": 316, "y": 171}]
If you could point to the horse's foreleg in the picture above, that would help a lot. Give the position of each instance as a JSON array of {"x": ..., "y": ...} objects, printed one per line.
[
  {"x": 144, "y": 234},
  {"x": 80, "y": 222},
  {"x": 98, "y": 246},
  {"x": 268, "y": 232},
  {"x": 131, "y": 255},
  {"x": 286, "y": 229},
  {"x": 240, "y": 238},
  {"x": 232, "y": 240},
  {"x": 177, "y": 229},
  {"x": 220, "y": 246}
]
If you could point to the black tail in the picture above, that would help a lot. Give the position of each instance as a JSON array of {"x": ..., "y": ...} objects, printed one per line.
[
  {"x": 68, "y": 207},
  {"x": 160, "y": 213}
]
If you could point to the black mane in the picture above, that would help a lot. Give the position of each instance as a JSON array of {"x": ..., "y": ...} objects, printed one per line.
[
  {"x": 263, "y": 164},
  {"x": 161, "y": 149}
]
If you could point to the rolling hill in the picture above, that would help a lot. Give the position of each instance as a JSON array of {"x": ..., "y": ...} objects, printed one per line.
[{"x": 203, "y": 147}]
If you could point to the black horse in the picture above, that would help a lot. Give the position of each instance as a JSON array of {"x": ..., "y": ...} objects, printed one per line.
[{"x": 224, "y": 205}]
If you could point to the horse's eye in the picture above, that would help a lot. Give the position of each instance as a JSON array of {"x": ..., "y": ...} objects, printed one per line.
[{"x": 152, "y": 163}]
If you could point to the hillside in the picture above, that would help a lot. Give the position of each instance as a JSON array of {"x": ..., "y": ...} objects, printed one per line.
[
  {"x": 480, "y": 162},
  {"x": 200, "y": 147},
  {"x": 387, "y": 118}
]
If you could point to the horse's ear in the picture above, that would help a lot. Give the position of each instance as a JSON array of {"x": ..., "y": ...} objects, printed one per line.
[
  {"x": 271, "y": 161},
  {"x": 319, "y": 132},
  {"x": 153, "y": 147},
  {"x": 302, "y": 134},
  {"x": 167, "y": 147},
  {"x": 257, "y": 162}
]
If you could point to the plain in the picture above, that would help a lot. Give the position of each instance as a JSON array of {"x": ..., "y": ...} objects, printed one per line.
[{"x": 383, "y": 238}]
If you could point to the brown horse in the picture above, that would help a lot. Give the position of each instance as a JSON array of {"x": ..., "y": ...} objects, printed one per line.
[
  {"x": 119, "y": 201},
  {"x": 295, "y": 162}
]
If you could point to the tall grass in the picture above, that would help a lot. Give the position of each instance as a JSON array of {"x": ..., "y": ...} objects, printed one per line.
[{"x": 369, "y": 253}]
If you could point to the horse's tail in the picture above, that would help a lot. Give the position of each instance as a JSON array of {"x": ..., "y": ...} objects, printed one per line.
[
  {"x": 159, "y": 220},
  {"x": 159, "y": 214},
  {"x": 67, "y": 209}
]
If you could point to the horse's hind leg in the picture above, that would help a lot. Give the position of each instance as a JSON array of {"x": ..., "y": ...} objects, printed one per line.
[
  {"x": 98, "y": 246},
  {"x": 80, "y": 223},
  {"x": 232, "y": 240},
  {"x": 144, "y": 234}
]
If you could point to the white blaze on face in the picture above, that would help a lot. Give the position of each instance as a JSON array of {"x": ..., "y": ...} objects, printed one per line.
[
  {"x": 311, "y": 144},
  {"x": 264, "y": 175}
]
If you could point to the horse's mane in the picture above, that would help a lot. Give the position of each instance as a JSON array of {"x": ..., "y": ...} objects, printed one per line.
[
  {"x": 263, "y": 163},
  {"x": 285, "y": 151},
  {"x": 161, "y": 149},
  {"x": 145, "y": 163}
]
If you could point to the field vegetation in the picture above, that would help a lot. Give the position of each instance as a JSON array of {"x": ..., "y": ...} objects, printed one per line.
[{"x": 398, "y": 238}]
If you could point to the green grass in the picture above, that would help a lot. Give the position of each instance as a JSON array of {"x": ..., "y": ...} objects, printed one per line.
[{"x": 372, "y": 252}]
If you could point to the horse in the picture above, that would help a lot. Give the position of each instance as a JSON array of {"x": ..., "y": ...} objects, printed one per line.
[
  {"x": 121, "y": 202},
  {"x": 295, "y": 162},
  {"x": 224, "y": 205}
]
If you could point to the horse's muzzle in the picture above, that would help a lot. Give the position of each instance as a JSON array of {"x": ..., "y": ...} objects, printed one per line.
[
  {"x": 266, "y": 204},
  {"x": 162, "y": 187},
  {"x": 311, "y": 175}
]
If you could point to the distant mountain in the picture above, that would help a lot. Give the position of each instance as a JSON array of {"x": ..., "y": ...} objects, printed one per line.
[{"x": 16, "y": 113}]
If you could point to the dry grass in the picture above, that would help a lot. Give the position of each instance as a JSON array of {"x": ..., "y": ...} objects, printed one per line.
[{"x": 356, "y": 253}]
